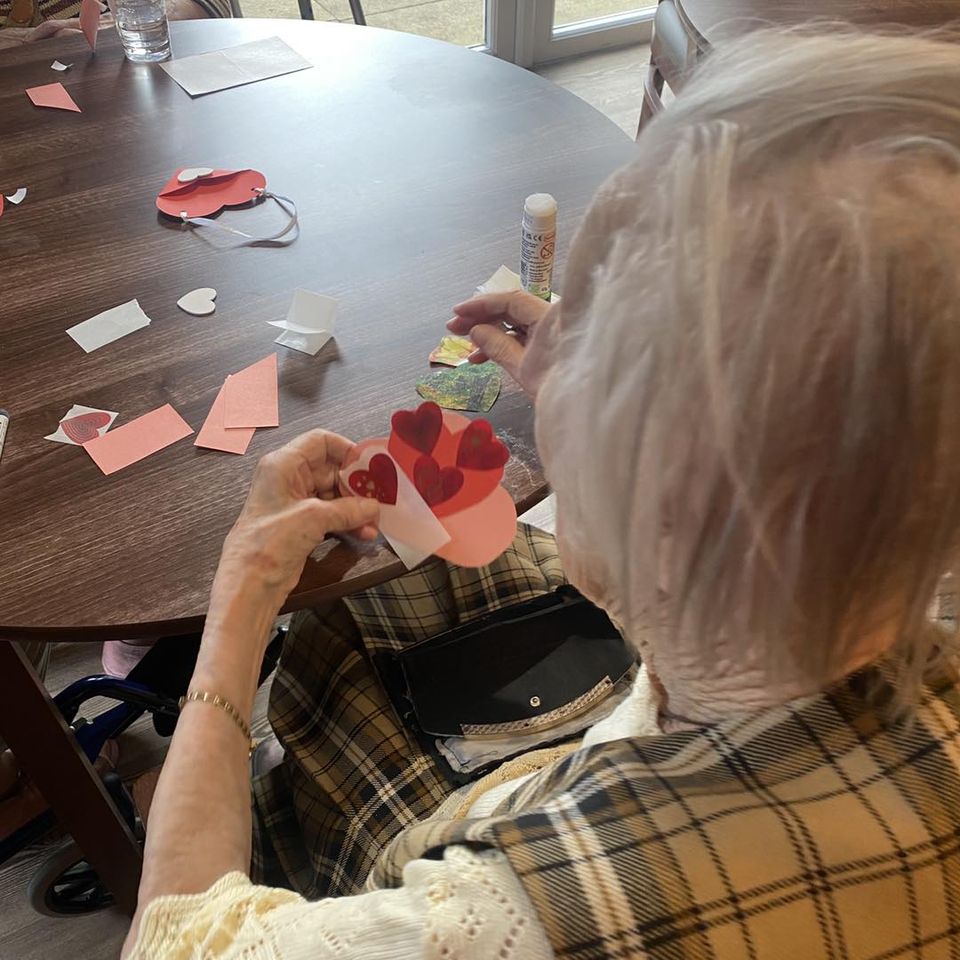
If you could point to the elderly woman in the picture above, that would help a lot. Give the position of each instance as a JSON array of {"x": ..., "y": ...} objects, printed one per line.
[{"x": 747, "y": 405}]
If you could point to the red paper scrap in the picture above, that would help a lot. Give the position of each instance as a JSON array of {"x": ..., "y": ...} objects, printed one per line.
[
  {"x": 133, "y": 441},
  {"x": 215, "y": 436},
  {"x": 90, "y": 21},
  {"x": 250, "y": 396},
  {"x": 53, "y": 95}
]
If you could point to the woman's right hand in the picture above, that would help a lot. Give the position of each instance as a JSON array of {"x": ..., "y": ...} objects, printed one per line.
[{"x": 483, "y": 319}]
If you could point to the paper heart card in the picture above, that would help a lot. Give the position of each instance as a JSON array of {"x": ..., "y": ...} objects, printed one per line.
[
  {"x": 437, "y": 477},
  {"x": 195, "y": 194},
  {"x": 203, "y": 191}
]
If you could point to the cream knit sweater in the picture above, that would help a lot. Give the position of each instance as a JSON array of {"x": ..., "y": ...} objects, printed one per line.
[{"x": 468, "y": 905}]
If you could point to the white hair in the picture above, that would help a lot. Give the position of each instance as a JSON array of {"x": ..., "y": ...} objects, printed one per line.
[{"x": 752, "y": 414}]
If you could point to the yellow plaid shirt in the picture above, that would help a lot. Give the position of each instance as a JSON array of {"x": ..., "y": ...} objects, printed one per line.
[{"x": 813, "y": 830}]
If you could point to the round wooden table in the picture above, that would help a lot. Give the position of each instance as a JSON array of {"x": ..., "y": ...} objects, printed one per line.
[
  {"x": 710, "y": 21},
  {"x": 409, "y": 160}
]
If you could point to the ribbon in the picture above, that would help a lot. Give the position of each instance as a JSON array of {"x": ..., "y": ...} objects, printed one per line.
[{"x": 280, "y": 239}]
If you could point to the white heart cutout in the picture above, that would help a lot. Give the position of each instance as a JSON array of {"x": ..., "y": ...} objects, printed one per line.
[
  {"x": 192, "y": 173},
  {"x": 199, "y": 302}
]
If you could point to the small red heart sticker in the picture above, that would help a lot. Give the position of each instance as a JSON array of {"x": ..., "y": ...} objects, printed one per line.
[
  {"x": 378, "y": 481},
  {"x": 419, "y": 428},
  {"x": 85, "y": 427},
  {"x": 434, "y": 484},
  {"x": 479, "y": 449}
]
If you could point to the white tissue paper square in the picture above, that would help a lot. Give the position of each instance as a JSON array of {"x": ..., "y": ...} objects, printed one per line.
[
  {"x": 310, "y": 322},
  {"x": 108, "y": 326}
]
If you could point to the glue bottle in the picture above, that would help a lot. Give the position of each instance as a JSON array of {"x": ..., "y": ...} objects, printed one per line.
[{"x": 538, "y": 238}]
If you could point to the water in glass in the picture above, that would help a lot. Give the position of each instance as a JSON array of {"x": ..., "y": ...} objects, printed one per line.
[{"x": 142, "y": 25}]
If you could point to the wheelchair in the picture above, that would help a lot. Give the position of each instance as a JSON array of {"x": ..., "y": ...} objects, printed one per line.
[{"x": 66, "y": 885}]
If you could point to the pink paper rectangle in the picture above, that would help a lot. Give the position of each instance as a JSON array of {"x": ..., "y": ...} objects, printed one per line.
[
  {"x": 138, "y": 439},
  {"x": 250, "y": 396},
  {"x": 52, "y": 95},
  {"x": 215, "y": 436}
]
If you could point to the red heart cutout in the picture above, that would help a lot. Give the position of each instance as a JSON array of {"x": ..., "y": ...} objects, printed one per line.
[
  {"x": 433, "y": 484},
  {"x": 85, "y": 427},
  {"x": 479, "y": 449},
  {"x": 378, "y": 481},
  {"x": 420, "y": 428},
  {"x": 206, "y": 196}
]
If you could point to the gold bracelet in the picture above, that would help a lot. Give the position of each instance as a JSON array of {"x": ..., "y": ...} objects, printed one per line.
[{"x": 202, "y": 696}]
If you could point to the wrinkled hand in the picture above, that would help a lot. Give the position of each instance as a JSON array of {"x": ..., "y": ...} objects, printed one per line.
[
  {"x": 14, "y": 36},
  {"x": 483, "y": 319},
  {"x": 292, "y": 505},
  {"x": 53, "y": 28}
]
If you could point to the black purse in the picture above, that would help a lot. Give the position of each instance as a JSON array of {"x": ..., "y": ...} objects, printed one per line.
[{"x": 518, "y": 672}]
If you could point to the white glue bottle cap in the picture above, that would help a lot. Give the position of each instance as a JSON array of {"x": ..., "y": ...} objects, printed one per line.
[
  {"x": 538, "y": 240},
  {"x": 541, "y": 208}
]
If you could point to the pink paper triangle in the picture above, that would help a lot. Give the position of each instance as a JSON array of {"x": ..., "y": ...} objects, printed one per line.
[
  {"x": 52, "y": 95},
  {"x": 90, "y": 21}
]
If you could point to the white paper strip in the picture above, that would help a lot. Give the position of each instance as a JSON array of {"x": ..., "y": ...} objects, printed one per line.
[
  {"x": 108, "y": 326},
  {"x": 18, "y": 196},
  {"x": 78, "y": 410},
  {"x": 310, "y": 322},
  {"x": 57, "y": 65},
  {"x": 504, "y": 280},
  {"x": 235, "y": 66}
]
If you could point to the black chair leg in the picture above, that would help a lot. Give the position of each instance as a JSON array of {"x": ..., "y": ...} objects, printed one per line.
[
  {"x": 356, "y": 8},
  {"x": 306, "y": 10}
]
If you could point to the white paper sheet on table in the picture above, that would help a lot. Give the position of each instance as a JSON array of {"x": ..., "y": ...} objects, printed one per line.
[
  {"x": 78, "y": 410},
  {"x": 409, "y": 525},
  {"x": 235, "y": 66},
  {"x": 108, "y": 326},
  {"x": 310, "y": 322}
]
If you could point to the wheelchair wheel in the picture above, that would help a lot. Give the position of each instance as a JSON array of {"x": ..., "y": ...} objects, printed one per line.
[{"x": 66, "y": 885}]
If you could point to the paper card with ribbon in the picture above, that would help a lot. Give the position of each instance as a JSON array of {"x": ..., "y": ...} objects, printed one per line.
[
  {"x": 208, "y": 191},
  {"x": 310, "y": 322},
  {"x": 454, "y": 466},
  {"x": 80, "y": 424},
  {"x": 195, "y": 194}
]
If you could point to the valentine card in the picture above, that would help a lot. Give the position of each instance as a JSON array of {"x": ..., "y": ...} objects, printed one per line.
[
  {"x": 80, "y": 424},
  {"x": 203, "y": 191},
  {"x": 437, "y": 477}
]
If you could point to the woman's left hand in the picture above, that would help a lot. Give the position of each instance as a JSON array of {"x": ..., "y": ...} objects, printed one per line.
[
  {"x": 292, "y": 505},
  {"x": 53, "y": 28}
]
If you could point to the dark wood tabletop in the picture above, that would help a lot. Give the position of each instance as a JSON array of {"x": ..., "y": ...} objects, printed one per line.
[
  {"x": 709, "y": 21},
  {"x": 409, "y": 160}
]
